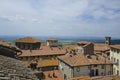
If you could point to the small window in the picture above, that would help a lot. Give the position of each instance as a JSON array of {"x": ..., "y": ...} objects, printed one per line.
[
  {"x": 117, "y": 72},
  {"x": 78, "y": 69},
  {"x": 95, "y": 65},
  {"x": 117, "y": 61},
  {"x": 102, "y": 66},
  {"x": 114, "y": 60},
  {"x": 118, "y": 51},
  {"x": 89, "y": 67},
  {"x": 111, "y": 58}
]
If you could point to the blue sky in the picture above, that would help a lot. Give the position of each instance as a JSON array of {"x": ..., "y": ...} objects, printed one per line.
[{"x": 60, "y": 17}]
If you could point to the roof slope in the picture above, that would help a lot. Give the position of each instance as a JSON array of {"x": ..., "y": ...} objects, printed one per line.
[
  {"x": 10, "y": 69},
  {"x": 74, "y": 60},
  {"x": 101, "y": 47},
  {"x": 46, "y": 50},
  {"x": 117, "y": 46},
  {"x": 27, "y": 40},
  {"x": 79, "y": 59}
]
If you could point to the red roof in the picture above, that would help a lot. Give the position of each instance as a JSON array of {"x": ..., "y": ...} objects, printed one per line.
[
  {"x": 80, "y": 59},
  {"x": 117, "y": 46},
  {"x": 27, "y": 40},
  {"x": 49, "y": 75},
  {"x": 45, "y": 50}
]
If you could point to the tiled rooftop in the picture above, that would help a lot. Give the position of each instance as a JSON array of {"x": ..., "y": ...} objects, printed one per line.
[
  {"x": 101, "y": 47},
  {"x": 79, "y": 59},
  {"x": 12, "y": 69},
  {"x": 81, "y": 78},
  {"x": 52, "y": 39},
  {"x": 27, "y": 40},
  {"x": 116, "y": 46},
  {"x": 74, "y": 60},
  {"x": 112, "y": 77},
  {"x": 53, "y": 75},
  {"x": 45, "y": 50},
  {"x": 47, "y": 63},
  {"x": 4, "y": 43},
  {"x": 84, "y": 43}
]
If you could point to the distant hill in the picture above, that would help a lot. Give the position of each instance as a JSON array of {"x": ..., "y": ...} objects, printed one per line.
[
  {"x": 117, "y": 41},
  {"x": 63, "y": 40}
]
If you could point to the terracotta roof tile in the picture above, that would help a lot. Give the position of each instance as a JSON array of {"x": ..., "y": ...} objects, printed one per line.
[
  {"x": 79, "y": 59},
  {"x": 47, "y": 63},
  {"x": 111, "y": 77},
  {"x": 117, "y": 46},
  {"x": 81, "y": 78},
  {"x": 49, "y": 75},
  {"x": 27, "y": 40},
  {"x": 4, "y": 43},
  {"x": 52, "y": 39},
  {"x": 84, "y": 43},
  {"x": 74, "y": 60},
  {"x": 101, "y": 47},
  {"x": 98, "y": 59},
  {"x": 45, "y": 50}
]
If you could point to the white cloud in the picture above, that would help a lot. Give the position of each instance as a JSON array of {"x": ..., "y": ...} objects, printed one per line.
[{"x": 59, "y": 17}]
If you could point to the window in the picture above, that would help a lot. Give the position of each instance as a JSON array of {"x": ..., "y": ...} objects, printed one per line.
[
  {"x": 111, "y": 58},
  {"x": 102, "y": 66},
  {"x": 117, "y": 62},
  {"x": 118, "y": 51},
  {"x": 117, "y": 72},
  {"x": 114, "y": 60},
  {"x": 89, "y": 67},
  {"x": 78, "y": 69},
  {"x": 95, "y": 65}
]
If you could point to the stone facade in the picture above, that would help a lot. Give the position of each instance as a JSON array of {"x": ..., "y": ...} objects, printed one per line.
[
  {"x": 52, "y": 42},
  {"x": 83, "y": 62},
  {"x": 91, "y": 70},
  {"x": 115, "y": 57},
  {"x": 28, "y": 43},
  {"x": 85, "y": 47}
]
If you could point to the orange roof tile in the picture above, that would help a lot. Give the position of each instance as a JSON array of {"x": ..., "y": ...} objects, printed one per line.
[
  {"x": 84, "y": 43},
  {"x": 27, "y": 40},
  {"x": 111, "y": 77},
  {"x": 74, "y": 60},
  {"x": 47, "y": 63},
  {"x": 52, "y": 39},
  {"x": 101, "y": 47},
  {"x": 45, "y": 50},
  {"x": 80, "y": 78},
  {"x": 80, "y": 60},
  {"x": 117, "y": 46},
  {"x": 49, "y": 75},
  {"x": 4, "y": 43},
  {"x": 98, "y": 59}
]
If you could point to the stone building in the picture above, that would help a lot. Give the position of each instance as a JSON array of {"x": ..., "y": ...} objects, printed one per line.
[
  {"x": 103, "y": 48},
  {"x": 115, "y": 57},
  {"x": 85, "y": 47},
  {"x": 52, "y": 42},
  {"x": 84, "y": 62},
  {"x": 28, "y": 43},
  {"x": 43, "y": 59}
]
